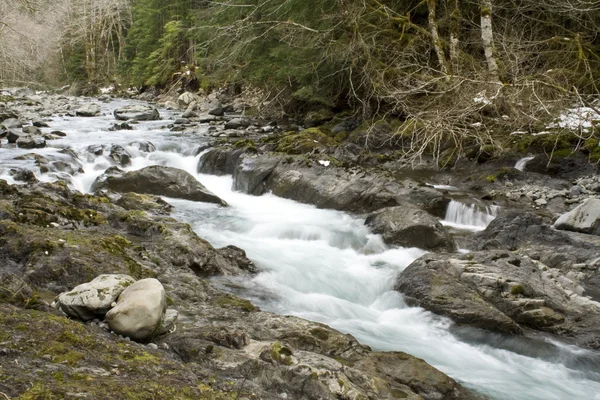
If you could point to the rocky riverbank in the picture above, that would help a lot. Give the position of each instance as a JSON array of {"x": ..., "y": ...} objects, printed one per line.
[
  {"x": 54, "y": 239},
  {"x": 522, "y": 276}
]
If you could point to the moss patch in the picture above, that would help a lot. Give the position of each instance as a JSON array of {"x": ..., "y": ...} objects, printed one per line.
[{"x": 303, "y": 142}]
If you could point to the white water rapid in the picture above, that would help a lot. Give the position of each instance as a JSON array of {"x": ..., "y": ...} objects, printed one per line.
[
  {"x": 469, "y": 217},
  {"x": 327, "y": 266},
  {"x": 522, "y": 163}
]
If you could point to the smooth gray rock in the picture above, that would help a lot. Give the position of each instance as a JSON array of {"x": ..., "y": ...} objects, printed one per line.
[
  {"x": 408, "y": 226},
  {"x": 237, "y": 123},
  {"x": 31, "y": 142},
  {"x": 161, "y": 181},
  {"x": 584, "y": 218},
  {"x": 88, "y": 110},
  {"x": 11, "y": 123},
  {"x": 139, "y": 310},
  {"x": 93, "y": 299},
  {"x": 502, "y": 291},
  {"x": 137, "y": 113},
  {"x": 32, "y": 130},
  {"x": 185, "y": 99},
  {"x": 13, "y": 135}
]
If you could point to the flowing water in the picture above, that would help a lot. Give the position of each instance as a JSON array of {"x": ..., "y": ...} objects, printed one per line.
[
  {"x": 472, "y": 217},
  {"x": 522, "y": 163},
  {"x": 327, "y": 266}
]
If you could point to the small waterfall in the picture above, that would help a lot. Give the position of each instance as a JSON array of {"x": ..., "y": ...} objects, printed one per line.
[
  {"x": 472, "y": 217},
  {"x": 522, "y": 163}
]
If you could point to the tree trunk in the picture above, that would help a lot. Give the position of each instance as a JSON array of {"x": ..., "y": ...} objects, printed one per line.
[
  {"x": 454, "y": 32},
  {"x": 487, "y": 37},
  {"x": 435, "y": 38}
]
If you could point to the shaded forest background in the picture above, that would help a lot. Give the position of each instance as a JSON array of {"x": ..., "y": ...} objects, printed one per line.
[{"x": 445, "y": 70}]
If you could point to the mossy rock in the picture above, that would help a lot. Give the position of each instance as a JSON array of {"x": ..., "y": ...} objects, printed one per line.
[
  {"x": 73, "y": 361},
  {"x": 303, "y": 142},
  {"x": 230, "y": 301}
]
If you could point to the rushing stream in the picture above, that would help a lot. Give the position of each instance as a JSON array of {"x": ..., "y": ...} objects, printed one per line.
[{"x": 327, "y": 266}]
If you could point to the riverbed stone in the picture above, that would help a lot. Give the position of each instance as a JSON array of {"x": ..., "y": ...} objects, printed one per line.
[
  {"x": 161, "y": 181},
  {"x": 137, "y": 112},
  {"x": 31, "y": 142},
  {"x": 88, "y": 110},
  {"x": 503, "y": 292},
  {"x": 409, "y": 226},
  {"x": 139, "y": 310},
  {"x": 93, "y": 299},
  {"x": 584, "y": 218}
]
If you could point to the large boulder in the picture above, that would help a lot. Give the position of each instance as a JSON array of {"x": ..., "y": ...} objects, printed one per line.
[
  {"x": 139, "y": 310},
  {"x": 161, "y": 181},
  {"x": 584, "y": 218},
  {"x": 88, "y": 110},
  {"x": 93, "y": 299},
  {"x": 219, "y": 161},
  {"x": 11, "y": 123},
  {"x": 137, "y": 112},
  {"x": 503, "y": 292},
  {"x": 185, "y": 99},
  {"x": 13, "y": 135},
  {"x": 250, "y": 174},
  {"x": 408, "y": 226},
  {"x": 31, "y": 142}
]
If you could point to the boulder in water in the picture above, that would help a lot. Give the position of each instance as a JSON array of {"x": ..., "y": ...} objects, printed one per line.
[
  {"x": 31, "y": 142},
  {"x": 93, "y": 299},
  {"x": 137, "y": 112},
  {"x": 409, "y": 226},
  {"x": 584, "y": 218},
  {"x": 119, "y": 155},
  {"x": 11, "y": 123},
  {"x": 161, "y": 181},
  {"x": 237, "y": 123},
  {"x": 13, "y": 135},
  {"x": 139, "y": 310},
  {"x": 23, "y": 175},
  {"x": 88, "y": 110}
]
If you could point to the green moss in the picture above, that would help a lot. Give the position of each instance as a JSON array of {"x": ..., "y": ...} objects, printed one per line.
[
  {"x": 229, "y": 301},
  {"x": 281, "y": 354},
  {"x": 517, "y": 290},
  {"x": 591, "y": 145},
  {"x": 247, "y": 144},
  {"x": 490, "y": 178},
  {"x": 320, "y": 333},
  {"x": 303, "y": 142}
]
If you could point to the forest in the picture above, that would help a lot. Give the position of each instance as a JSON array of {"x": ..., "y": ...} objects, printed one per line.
[{"x": 443, "y": 70}]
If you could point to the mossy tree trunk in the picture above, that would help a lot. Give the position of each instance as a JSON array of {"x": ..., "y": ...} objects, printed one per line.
[{"x": 435, "y": 37}]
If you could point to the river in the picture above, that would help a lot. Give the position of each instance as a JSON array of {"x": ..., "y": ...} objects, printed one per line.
[{"x": 326, "y": 266}]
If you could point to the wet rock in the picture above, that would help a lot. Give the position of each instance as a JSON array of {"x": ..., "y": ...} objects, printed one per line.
[
  {"x": 217, "y": 110},
  {"x": 119, "y": 155},
  {"x": 12, "y": 123},
  {"x": 13, "y": 135},
  {"x": 144, "y": 145},
  {"x": 501, "y": 291},
  {"x": 31, "y": 142},
  {"x": 408, "y": 226},
  {"x": 146, "y": 202},
  {"x": 123, "y": 126},
  {"x": 237, "y": 123},
  {"x": 40, "y": 123},
  {"x": 219, "y": 161},
  {"x": 137, "y": 112},
  {"x": 161, "y": 181},
  {"x": 93, "y": 299},
  {"x": 88, "y": 110},
  {"x": 251, "y": 173},
  {"x": 139, "y": 311},
  {"x": 23, "y": 175},
  {"x": 584, "y": 218},
  {"x": 32, "y": 130}
]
